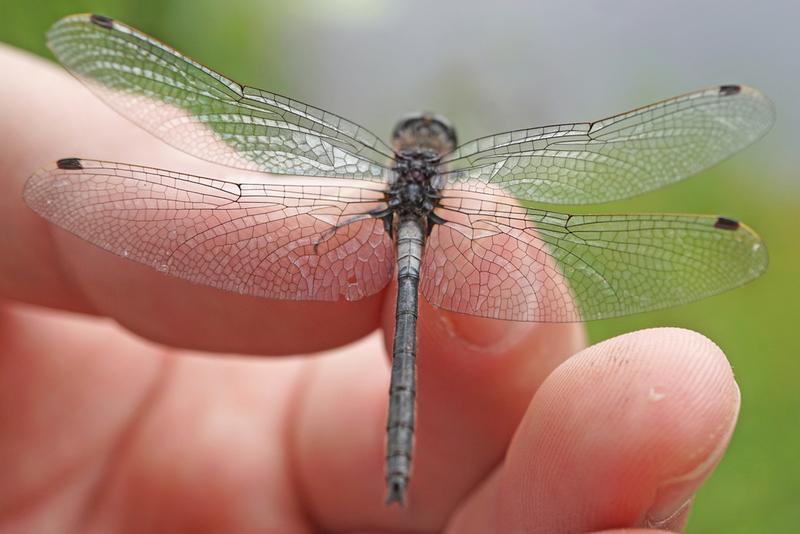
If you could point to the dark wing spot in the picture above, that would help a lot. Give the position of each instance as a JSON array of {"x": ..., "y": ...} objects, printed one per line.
[
  {"x": 728, "y": 90},
  {"x": 103, "y": 21},
  {"x": 69, "y": 164},
  {"x": 724, "y": 223}
]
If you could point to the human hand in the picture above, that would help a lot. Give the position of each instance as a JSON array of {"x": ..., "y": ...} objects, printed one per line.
[{"x": 102, "y": 431}]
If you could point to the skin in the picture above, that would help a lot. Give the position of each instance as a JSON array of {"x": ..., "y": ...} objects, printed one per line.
[{"x": 111, "y": 420}]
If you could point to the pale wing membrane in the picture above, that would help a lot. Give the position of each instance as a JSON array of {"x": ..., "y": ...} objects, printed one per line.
[
  {"x": 508, "y": 262},
  {"x": 207, "y": 115},
  {"x": 616, "y": 157},
  {"x": 267, "y": 240}
]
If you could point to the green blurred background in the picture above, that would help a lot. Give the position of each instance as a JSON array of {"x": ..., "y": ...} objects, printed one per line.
[{"x": 495, "y": 66}]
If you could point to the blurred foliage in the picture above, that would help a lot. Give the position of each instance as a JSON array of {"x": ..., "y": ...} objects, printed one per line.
[
  {"x": 755, "y": 487},
  {"x": 240, "y": 35}
]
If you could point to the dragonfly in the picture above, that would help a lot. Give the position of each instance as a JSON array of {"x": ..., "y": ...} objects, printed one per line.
[{"x": 336, "y": 213}]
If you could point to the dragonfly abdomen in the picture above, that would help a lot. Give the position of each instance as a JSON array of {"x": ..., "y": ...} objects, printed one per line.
[{"x": 402, "y": 392}]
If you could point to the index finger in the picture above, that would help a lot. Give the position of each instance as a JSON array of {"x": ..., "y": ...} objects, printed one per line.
[{"x": 46, "y": 116}]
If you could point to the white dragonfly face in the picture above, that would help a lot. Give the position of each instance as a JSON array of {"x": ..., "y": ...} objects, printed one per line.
[{"x": 424, "y": 131}]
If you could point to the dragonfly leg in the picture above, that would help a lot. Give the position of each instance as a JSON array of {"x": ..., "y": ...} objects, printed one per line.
[
  {"x": 433, "y": 219},
  {"x": 330, "y": 232}
]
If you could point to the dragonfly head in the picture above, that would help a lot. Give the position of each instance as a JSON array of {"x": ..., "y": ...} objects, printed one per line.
[{"x": 424, "y": 131}]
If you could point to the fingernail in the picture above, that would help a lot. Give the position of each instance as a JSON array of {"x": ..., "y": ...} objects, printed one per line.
[
  {"x": 483, "y": 333},
  {"x": 674, "y": 495}
]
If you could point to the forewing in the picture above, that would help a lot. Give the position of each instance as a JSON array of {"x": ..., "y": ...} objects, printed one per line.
[
  {"x": 268, "y": 240},
  {"x": 507, "y": 262},
  {"x": 207, "y": 115},
  {"x": 616, "y": 157}
]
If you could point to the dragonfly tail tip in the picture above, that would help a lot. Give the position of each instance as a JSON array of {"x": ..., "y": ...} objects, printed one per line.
[{"x": 396, "y": 491}]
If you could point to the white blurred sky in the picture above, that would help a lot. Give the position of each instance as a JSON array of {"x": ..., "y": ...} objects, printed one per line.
[{"x": 499, "y": 65}]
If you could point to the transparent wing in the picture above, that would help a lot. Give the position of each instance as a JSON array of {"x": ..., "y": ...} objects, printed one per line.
[
  {"x": 507, "y": 262},
  {"x": 616, "y": 157},
  {"x": 269, "y": 239},
  {"x": 207, "y": 115}
]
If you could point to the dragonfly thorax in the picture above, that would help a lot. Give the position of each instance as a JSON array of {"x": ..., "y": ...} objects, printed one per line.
[
  {"x": 415, "y": 190},
  {"x": 419, "y": 140}
]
